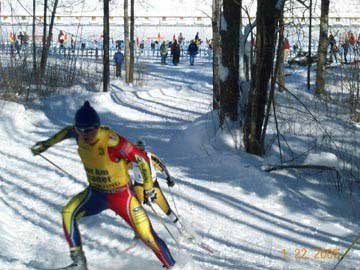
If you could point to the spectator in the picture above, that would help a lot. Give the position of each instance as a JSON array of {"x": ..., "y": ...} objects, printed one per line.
[
  {"x": 142, "y": 47},
  {"x": 61, "y": 39},
  {"x": 333, "y": 48},
  {"x": 180, "y": 38},
  {"x": 21, "y": 38},
  {"x": 345, "y": 47},
  {"x": 118, "y": 58},
  {"x": 97, "y": 49},
  {"x": 26, "y": 39},
  {"x": 175, "y": 51},
  {"x": 163, "y": 53},
  {"x": 192, "y": 50},
  {"x": 73, "y": 43},
  {"x": 197, "y": 39},
  {"x": 152, "y": 46},
  {"x": 295, "y": 48},
  {"x": 351, "y": 38},
  {"x": 12, "y": 40},
  {"x": 83, "y": 47},
  {"x": 17, "y": 47},
  {"x": 286, "y": 47}
]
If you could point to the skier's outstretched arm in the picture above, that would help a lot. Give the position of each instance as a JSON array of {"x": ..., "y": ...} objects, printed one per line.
[{"x": 41, "y": 146}]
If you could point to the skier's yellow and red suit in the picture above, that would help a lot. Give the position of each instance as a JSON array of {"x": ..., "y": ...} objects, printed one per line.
[{"x": 105, "y": 163}]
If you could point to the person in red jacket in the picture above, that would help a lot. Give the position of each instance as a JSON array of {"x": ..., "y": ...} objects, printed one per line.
[
  {"x": 105, "y": 155},
  {"x": 286, "y": 48}
]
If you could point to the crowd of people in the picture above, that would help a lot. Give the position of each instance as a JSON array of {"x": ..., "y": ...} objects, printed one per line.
[
  {"x": 342, "y": 48},
  {"x": 17, "y": 42},
  {"x": 174, "y": 48},
  {"x": 347, "y": 47}
]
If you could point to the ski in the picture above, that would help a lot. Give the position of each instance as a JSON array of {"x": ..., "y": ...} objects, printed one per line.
[
  {"x": 202, "y": 245},
  {"x": 130, "y": 247},
  {"x": 194, "y": 240}
]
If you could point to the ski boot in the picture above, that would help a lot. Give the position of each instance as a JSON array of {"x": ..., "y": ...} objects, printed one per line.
[{"x": 79, "y": 261}]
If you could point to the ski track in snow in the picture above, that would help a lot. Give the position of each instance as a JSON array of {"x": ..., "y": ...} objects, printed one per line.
[{"x": 248, "y": 216}]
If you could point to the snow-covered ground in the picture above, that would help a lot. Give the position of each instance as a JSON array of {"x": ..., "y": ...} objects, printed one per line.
[{"x": 252, "y": 219}]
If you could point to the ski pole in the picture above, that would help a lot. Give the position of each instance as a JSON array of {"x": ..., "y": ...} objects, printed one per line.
[
  {"x": 162, "y": 222},
  {"x": 173, "y": 201},
  {"x": 57, "y": 166},
  {"x": 347, "y": 251}
]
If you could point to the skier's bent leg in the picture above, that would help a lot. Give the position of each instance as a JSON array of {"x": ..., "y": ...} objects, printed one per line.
[
  {"x": 162, "y": 202},
  {"x": 129, "y": 208},
  {"x": 160, "y": 199},
  {"x": 139, "y": 191},
  {"x": 86, "y": 203},
  {"x": 143, "y": 228}
]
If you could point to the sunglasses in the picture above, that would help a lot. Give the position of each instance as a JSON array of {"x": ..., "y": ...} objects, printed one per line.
[{"x": 86, "y": 130}]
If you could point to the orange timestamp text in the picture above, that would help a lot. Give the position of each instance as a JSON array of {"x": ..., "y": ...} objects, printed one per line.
[{"x": 314, "y": 254}]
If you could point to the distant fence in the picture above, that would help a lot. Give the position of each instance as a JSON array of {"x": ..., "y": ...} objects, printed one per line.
[{"x": 11, "y": 50}]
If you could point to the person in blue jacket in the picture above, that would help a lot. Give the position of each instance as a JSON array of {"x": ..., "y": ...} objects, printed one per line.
[
  {"x": 192, "y": 51},
  {"x": 118, "y": 58}
]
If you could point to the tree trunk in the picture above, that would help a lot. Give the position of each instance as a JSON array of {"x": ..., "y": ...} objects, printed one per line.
[
  {"x": 280, "y": 56},
  {"x": 106, "y": 43},
  {"x": 322, "y": 49},
  {"x": 245, "y": 60},
  {"x": 229, "y": 73},
  {"x": 132, "y": 26},
  {"x": 266, "y": 18},
  {"x": 278, "y": 69},
  {"x": 33, "y": 37},
  {"x": 126, "y": 40},
  {"x": 216, "y": 54},
  {"x": 45, "y": 51}
]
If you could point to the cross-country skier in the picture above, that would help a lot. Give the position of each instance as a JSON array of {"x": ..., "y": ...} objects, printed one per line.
[
  {"x": 156, "y": 165},
  {"x": 105, "y": 155}
]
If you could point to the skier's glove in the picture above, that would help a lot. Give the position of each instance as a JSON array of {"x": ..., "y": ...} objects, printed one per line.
[
  {"x": 170, "y": 182},
  {"x": 38, "y": 148},
  {"x": 149, "y": 195}
]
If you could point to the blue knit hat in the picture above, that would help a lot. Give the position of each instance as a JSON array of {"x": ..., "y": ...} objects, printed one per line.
[{"x": 86, "y": 117}]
